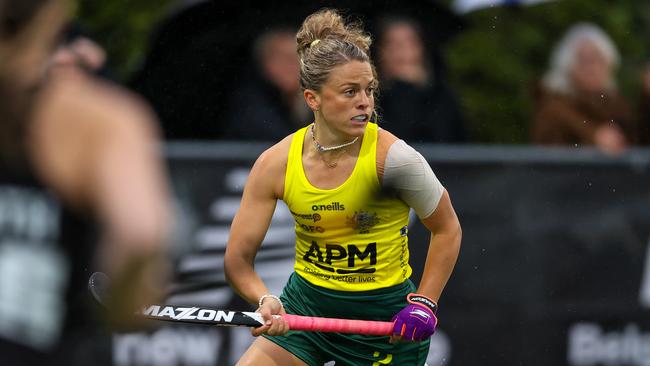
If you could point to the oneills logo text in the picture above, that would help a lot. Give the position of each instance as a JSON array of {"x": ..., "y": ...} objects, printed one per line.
[{"x": 334, "y": 206}]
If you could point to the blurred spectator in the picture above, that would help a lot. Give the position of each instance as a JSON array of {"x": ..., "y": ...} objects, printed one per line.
[
  {"x": 200, "y": 53},
  {"x": 644, "y": 108},
  {"x": 278, "y": 107},
  {"x": 415, "y": 100},
  {"x": 578, "y": 102}
]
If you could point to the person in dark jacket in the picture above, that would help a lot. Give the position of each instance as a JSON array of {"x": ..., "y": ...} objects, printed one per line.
[
  {"x": 415, "y": 101},
  {"x": 268, "y": 104}
]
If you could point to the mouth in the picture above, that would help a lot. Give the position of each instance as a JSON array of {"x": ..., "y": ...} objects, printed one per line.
[{"x": 360, "y": 118}]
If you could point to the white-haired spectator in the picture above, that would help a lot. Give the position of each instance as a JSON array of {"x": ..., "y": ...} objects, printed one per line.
[
  {"x": 578, "y": 102},
  {"x": 583, "y": 61}
]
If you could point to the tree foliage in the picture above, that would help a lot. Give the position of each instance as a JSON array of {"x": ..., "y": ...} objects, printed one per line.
[{"x": 122, "y": 27}]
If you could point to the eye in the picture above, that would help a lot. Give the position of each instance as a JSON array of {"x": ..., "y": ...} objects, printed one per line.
[
  {"x": 370, "y": 91},
  {"x": 349, "y": 92}
]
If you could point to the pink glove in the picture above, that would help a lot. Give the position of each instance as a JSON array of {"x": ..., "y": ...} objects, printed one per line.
[{"x": 417, "y": 321}]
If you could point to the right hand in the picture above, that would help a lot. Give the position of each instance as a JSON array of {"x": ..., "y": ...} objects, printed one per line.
[
  {"x": 610, "y": 139},
  {"x": 417, "y": 321},
  {"x": 274, "y": 324}
]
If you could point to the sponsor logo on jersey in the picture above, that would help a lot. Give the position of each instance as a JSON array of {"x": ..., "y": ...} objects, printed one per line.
[
  {"x": 311, "y": 228},
  {"x": 315, "y": 217},
  {"x": 349, "y": 254},
  {"x": 334, "y": 206}
]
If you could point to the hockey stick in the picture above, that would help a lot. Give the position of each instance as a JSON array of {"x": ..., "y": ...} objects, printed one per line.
[{"x": 98, "y": 285}]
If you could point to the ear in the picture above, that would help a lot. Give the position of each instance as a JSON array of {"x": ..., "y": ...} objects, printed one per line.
[{"x": 312, "y": 98}]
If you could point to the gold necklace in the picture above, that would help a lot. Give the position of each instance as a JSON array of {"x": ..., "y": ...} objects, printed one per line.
[{"x": 322, "y": 149}]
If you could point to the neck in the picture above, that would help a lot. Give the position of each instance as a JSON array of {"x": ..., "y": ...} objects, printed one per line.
[{"x": 326, "y": 147}]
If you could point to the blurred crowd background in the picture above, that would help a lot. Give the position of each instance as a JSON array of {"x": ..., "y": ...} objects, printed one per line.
[{"x": 558, "y": 72}]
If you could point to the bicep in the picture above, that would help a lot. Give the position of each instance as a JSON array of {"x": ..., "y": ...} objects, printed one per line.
[{"x": 444, "y": 218}]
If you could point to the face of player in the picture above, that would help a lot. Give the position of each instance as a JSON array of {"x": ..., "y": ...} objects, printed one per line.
[{"x": 347, "y": 100}]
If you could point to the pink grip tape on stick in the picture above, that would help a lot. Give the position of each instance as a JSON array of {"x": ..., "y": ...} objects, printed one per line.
[{"x": 316, "y": 324}]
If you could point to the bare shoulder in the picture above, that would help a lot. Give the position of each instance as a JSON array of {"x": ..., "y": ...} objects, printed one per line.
[
  {"x": 276, "y": 155},
  {"x": 271, "y": 165},
  {"x": 385, "y": 139}
]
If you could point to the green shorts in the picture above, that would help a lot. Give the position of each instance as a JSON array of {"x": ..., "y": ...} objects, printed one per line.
[{"x": 302, "y": 298}]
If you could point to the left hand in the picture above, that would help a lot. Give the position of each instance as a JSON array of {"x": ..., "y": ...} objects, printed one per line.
[
  {"x": 271, "y": 311},
  {"x": 417, "y": 321}
]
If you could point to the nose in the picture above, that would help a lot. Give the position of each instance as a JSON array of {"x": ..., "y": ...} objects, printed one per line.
[{"x": 364, "y": 101}]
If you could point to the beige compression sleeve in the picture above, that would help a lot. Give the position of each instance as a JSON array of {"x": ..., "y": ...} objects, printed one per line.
[{"x": 408, "y": 173}]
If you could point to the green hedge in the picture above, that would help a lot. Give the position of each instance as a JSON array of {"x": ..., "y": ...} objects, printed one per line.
[{"x": 122, "y": 27}]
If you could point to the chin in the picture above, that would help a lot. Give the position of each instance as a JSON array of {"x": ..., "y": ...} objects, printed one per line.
[{"x": 357, "y": 128}]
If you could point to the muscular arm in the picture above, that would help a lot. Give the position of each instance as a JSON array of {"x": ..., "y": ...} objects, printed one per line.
[
  {"x": 408, "y": 173},
  {"x": 97, "y": 146},
  {"x": 444, "y": 247},
  {"x": 263, "y": 188}
]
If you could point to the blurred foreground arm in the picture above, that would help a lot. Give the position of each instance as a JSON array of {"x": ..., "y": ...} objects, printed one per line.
[{"x": 98, "y": 146}]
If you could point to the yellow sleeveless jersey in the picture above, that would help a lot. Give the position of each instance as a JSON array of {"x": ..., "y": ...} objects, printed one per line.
[{"x": 353, "y": 237}]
